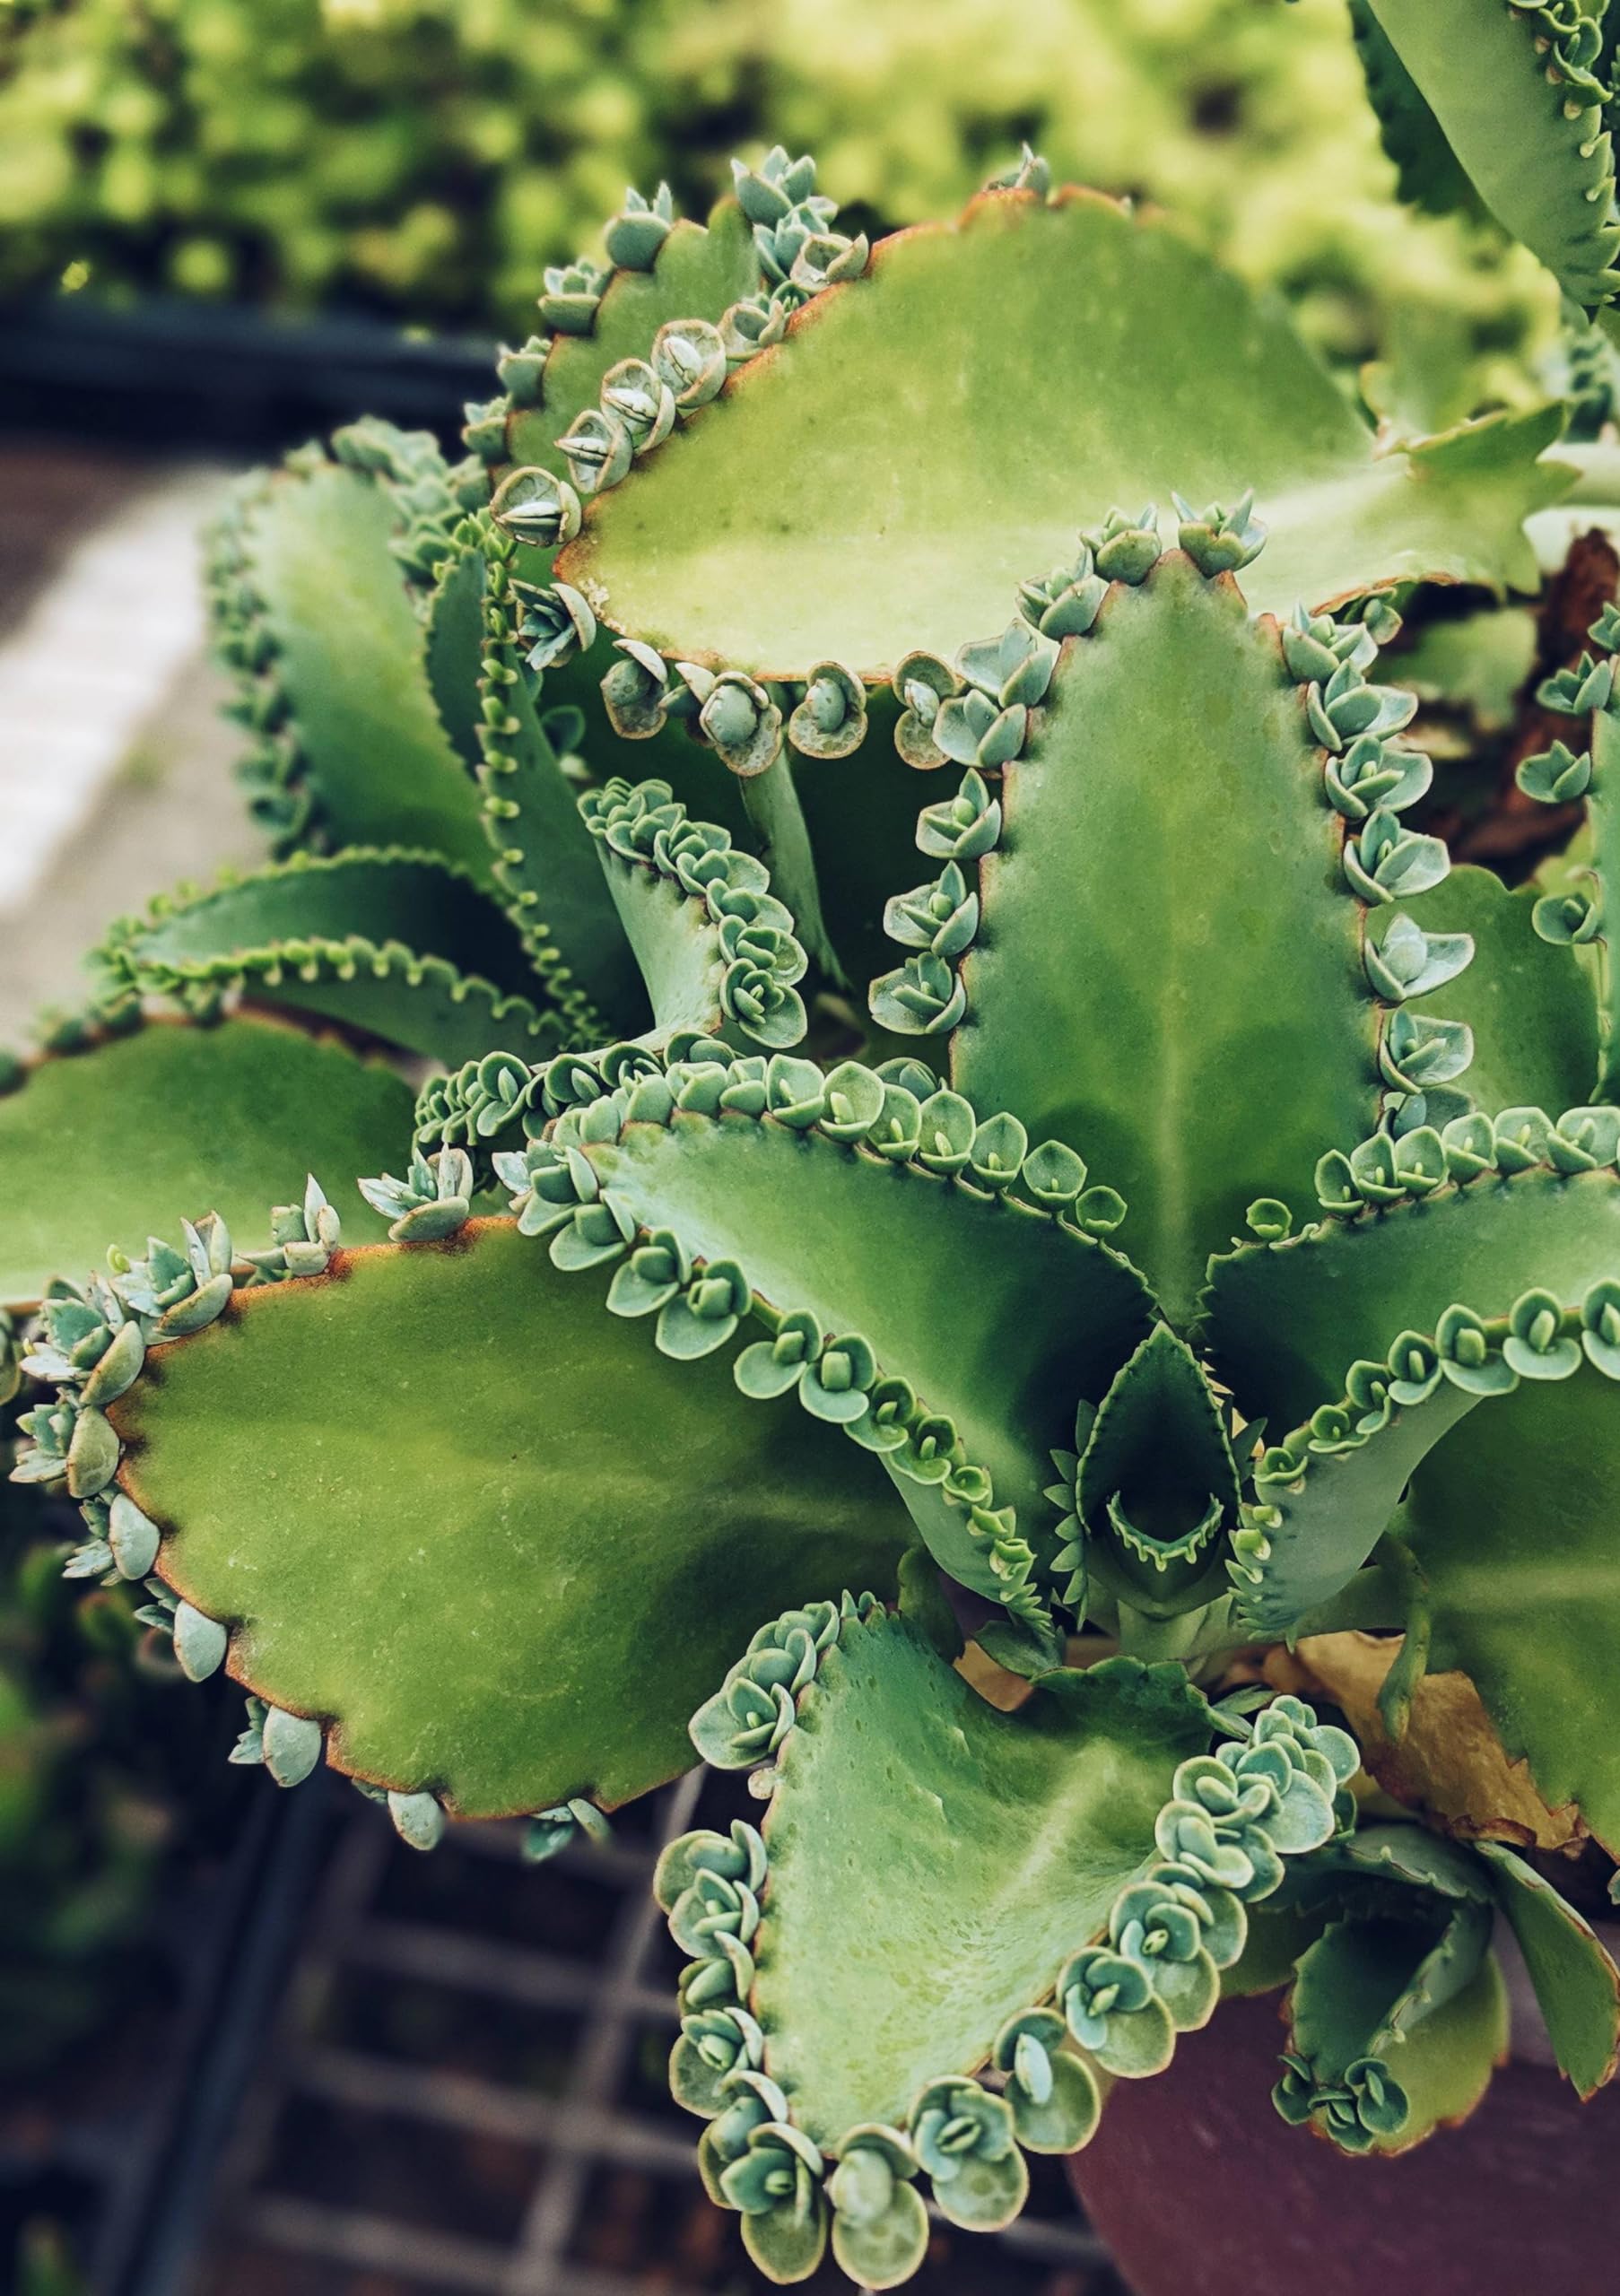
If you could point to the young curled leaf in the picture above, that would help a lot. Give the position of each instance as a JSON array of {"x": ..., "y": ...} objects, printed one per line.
[
  {"x": 964, "y": 827},
  {"x": 703, "y": 1317},
  {"x": 1538, "y": 1346},
  {"x": 923, "y": 684},
  {"x": 1386, "y": 863},
  {"x": 688, "y": 358},
  {"x": 1410, "y": 962},
  {"x": 1067, "y": 603}
]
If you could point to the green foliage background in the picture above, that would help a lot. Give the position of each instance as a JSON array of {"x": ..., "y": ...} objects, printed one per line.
[{"x": 425, "y": 158}]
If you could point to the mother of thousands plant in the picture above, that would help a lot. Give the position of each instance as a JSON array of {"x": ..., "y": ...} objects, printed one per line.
[{"x": 720, "y": 1284}]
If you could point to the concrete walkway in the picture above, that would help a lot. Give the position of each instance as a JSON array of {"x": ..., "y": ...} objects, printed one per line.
[{"x": 115, "y": 767}]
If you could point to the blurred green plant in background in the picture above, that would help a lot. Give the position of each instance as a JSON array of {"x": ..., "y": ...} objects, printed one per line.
[
  {"x": 46, "y": 2264},
  {"x": 93, "y": 1781},
  {"x": 82, "y": 1834},
  {"x": 424, "y": 158}
]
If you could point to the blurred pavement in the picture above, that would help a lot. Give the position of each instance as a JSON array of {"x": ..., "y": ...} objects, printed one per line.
[{"x": 115, "y": 767}]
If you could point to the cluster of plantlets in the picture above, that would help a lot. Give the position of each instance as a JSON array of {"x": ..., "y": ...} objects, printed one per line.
[
  {"x": 421, "y": 157},
  {"x": 1201, "y": 1233}
]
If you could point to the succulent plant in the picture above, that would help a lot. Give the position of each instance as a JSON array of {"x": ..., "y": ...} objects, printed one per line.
[{"x": 1167, "y": 1257}]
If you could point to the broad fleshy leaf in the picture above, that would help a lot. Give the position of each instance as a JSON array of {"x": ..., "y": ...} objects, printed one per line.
[
  {"x": 544, "y": 864},
  {"x": 320, "y": 624},
  {"x": 699, "y": 272},
  {"x": 1429, "y": 174},
  {"x": 97, "y": 1146},
  {"x": 1020, "y": 359},
  {"x": 507, "y": 1569},
  {"x": 1200, "y": 1032},
  {"x": 1512, "y": 89},
  {"x": 996, "y": 1315},
  {"x": 1285, "y": 1321},
  {"x": 401, "y": 944},
  {"x": 1509, "y": 1521},
  {"x": 1395, "y": 2024},
  {"x": 934, "y": 1863},
  {"x": 1477, "y": 1322},
  {"x": 1577, "y": 1985},
  {"x": 1527, "y": 1002}
]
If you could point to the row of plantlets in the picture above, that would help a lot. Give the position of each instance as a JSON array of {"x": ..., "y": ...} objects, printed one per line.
[{"x": 1203, "y": 1231}]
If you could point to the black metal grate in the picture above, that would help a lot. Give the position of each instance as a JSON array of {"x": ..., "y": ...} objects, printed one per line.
[{"x": 464, "y": 2091}]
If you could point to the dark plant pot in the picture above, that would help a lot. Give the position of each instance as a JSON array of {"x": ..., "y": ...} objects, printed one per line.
[
  {"x": 162, "y": 371},
  {"x": 1201, "y": 2190}
]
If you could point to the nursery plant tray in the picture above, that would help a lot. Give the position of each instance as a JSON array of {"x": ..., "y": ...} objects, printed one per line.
[
  {"x": 465, "y": 2091},
  {"x": 387, "y": 2075},
  {"x": 115, "y": 2143}
]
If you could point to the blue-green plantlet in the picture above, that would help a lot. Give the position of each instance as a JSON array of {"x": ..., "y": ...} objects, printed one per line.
[{"x": 951, "y": 1061}]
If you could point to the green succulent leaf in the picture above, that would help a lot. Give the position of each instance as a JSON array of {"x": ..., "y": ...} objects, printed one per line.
[
  {"x": 1528, "y": 1003},
  {"x": 1397, "y": 2022},
  {"x": 1277, "y": 1939},
  {"x": 545, "y": 866},
  {"x": 1284, "y": 1320},
  {"x": 401, "y": 944},
  {"x": 455, "y": 633},
  {"x": 856, "y": 876},
  {"x": 1531, "y": 138},
  {"x": 233, "y": 1115},
  {"x": 1505, "y": 1521},
  {"x": 333, "y": 640},
  {"x": 718, "y": 952},
  {"x": 1577, "y": 1985},
  {"x": 698, "y": 273},
  {"x": 999, "y": 1318},
  {"x": 1324, "y": 1505},
  {"x": 1581, "y": 913},
  {"x": 1409, "y": 1856},
  {"x": 787, "y": 2244},
  {"x": 1157, "y": 1483},
  {"x": 1506, "y": 1517},
  {"x": 1005, "y": 1840},
  {"x": 471, "y": 1579},
  {"x": 1198, "y": 1064},
  {"x": 1021, "y": 344},
  {"x": 879, "y": 2247},
  {"x": 1509, "y": 1522},
  {"x": 1427, "y": 169}
]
